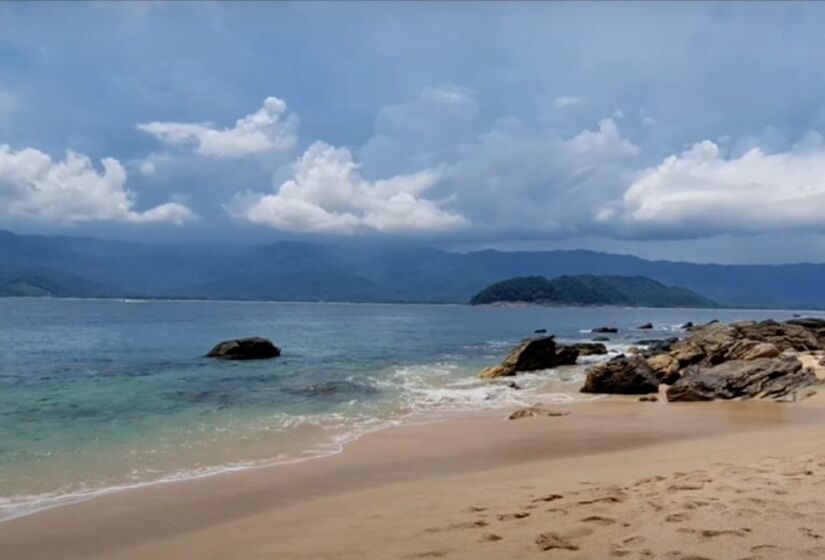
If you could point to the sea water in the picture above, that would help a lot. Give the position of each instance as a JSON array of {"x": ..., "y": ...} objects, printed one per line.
[{"x": 98, "y": 395}]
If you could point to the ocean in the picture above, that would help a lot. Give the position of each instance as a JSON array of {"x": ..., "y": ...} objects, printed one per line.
[{"x": 100, "y": 395}]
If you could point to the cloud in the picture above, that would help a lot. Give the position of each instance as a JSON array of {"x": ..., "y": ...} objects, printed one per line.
[
  {"x": 328, "y": 195},
  {"x": 565, "y": 102},
  {"x": 269, "y": 129},
  {"x": 700, "y": 192},
  {"x": 72, "y": 190}
]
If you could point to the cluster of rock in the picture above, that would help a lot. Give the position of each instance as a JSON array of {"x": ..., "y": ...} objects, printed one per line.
[
  {"x": 717, "y": 361},
  {"x": 539, "y": 353}
]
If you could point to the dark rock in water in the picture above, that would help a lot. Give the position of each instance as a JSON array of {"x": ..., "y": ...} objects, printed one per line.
[
  {"x": 605, "y": 330},
  {"x": 540, "y": 331},
  {"x": 646, "y": 326},
  {"x": 687, "y": 326},
  {"x": 531, "y": 355},
  {"x": 589, "y": 348},
  {"x": 621, "y": 375},
  {"x": 255, "y": 348},
  {"x": 601, "y": 339},
  {"x": 657, "y": 345},
  {"x": 764, "y": 378}
]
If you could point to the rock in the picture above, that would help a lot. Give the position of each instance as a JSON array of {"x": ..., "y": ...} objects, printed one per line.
[
  {"x": 589, "y": 348},
  {"x": 785, "y": 336},
  {"x": 540, "y": 331},
  {"x": 813, "y": 324},
  {"x": 764, "y": 378},
  {"x": 649, "y": 398},
  {"x": 533, "y": 354},
  {"x": 707, "y": 345},
  {"x": 601, "y": 339},
  {"x": 536, "y": 410},
  {"x": 646, "y": 326},
  {"x": 687, "y": 326},
  {"x": 493, "y": 372},
  {"x": 254, "y": 348},
  {"x": 605, "y": 330},
  {"x": 657, "y": 345},
  {"x": 621, "y": 375},
  {"x": 665, "y": 367},
  {"x": 752, "y": 350},
  {"x": 513, "y": 385}
]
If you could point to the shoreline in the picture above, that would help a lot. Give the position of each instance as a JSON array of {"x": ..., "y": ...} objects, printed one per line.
[{"x": 118, "y": 522}]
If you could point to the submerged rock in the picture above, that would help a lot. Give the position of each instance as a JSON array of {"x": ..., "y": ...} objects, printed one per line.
[
  {"x": 605, "y": 330},
  {"x": 646, "y": 326},
  {"x": 621, "y": 375},
  {"x": 656, "y": 346},
  {"x": 254, "y": 348},
  {"x": 601, "y": 339},
  {"x": 765, "y": 378},
  {"x": 531, "y": 355},
  {"x": 589, "y": 348}
]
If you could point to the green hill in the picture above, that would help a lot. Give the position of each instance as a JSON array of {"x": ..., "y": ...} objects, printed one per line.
[{"x": 632, "y": 291}]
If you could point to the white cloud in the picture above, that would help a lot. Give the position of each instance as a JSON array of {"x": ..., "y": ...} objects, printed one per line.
[
  {"x": 148, "y": 167},
  {"x": 327, "y": 194},
  {"x": 700, "y": 192},
  {"x": 269, "y": 129},
  {"x": 72, "y": 190},
  {"x": 565, "y": 102}
]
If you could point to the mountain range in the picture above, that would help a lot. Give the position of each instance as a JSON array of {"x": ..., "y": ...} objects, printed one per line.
[{"x": 64, "y": 266}]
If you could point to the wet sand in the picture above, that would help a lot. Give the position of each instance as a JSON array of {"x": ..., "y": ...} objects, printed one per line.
[{"x": 613, "y": 478}]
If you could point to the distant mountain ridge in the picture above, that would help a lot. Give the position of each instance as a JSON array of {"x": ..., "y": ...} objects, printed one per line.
[
  {"x": 588, "y": 289},
  {"x": 63, "y": 266}
]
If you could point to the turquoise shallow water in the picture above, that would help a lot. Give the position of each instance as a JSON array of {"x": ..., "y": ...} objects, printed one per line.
[{"x": 97, "y": 395}]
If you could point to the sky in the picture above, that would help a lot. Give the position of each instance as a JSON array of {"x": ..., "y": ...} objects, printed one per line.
[{"x": 681, "y": 131}]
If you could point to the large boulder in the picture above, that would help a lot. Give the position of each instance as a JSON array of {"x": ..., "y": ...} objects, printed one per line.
[
  {"x": 533, "y": 354},
  {"x": 765, "y": 378},
  {"x": 254, "y": 348},
  {"x": 627, "y": 375},
  {"x": 716, "y": 343},
  {"x": 785, "y": 336},
  {"x": 665, "y": 367}
]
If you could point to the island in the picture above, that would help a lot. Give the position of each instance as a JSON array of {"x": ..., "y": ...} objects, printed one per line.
[{"x": 588, "y": 290}]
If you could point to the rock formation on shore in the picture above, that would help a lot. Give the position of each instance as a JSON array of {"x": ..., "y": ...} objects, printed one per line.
[
  {"x": 742, "y": 360},
  {"x": 531, "y": 355},
  {"x": 626, "y": 375},
  {"x": 254, "y": 348}
]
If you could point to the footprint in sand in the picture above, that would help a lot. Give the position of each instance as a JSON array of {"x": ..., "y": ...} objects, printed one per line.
[
  {"x": 491, "y": 537},
  {"x": 513, "y": 516},
  {"x": 599, "y": 520},
  {"x": 549, "y": 498},
  {"x": 455, "y": 526},
  {"x": 677, "y": 517},
  {"x": 553, "y": 541}
]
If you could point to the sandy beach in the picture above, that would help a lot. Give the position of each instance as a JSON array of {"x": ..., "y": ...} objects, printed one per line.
[{"x": 613, "y": 478}]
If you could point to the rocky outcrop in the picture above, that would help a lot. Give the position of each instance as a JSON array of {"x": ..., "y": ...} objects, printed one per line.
[
  {"x": 622, "y": 375},
  {"x": 646, "y": 326},
  {"x": 717, "y": 343},
  {"x": 254, "y": 348},
  {"x": 781, "y": 378},
  {"x": 665, "y": 367},
  {"x": 589, "y": 348},
  {"x": 813, "y": 324},
  {"x": 605, "y": 330},
  {"x": 531, "y": 355}
]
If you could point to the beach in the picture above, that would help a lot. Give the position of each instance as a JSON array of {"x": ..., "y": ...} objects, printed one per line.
[{"x": 613, "y": 478}]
